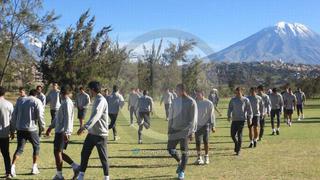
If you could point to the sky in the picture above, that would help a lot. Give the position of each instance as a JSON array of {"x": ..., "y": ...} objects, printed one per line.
[{"x": 219, "y": 23}]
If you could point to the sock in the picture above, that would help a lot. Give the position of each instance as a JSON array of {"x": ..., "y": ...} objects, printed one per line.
[
  {"x": 106, "y": 178},
  {"x": 34, "y": 165},
  {"x": 207, "y": 155},
  {"x": 59, "y": 174},
  {"x": 273, "y": 130},
  {"x": 81, "y": 174},
  {"x": 255, "y": 140},
  {"x": 278, "y": 129},
  {"x": 13, "y": 166},
  {"x": 74, "y": 165}
]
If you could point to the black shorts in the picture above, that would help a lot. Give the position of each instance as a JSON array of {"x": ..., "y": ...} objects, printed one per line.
[
  {"x": 288, "y": 111},
  {"x": 255, "y": 121},
  {"x": 32, "y": 137},
  {"x": 299, "y": 107},
  {"x": 82, "y": 113},
  {"x": 202, "y": 134},
  {"x": 59, "y": 142}
]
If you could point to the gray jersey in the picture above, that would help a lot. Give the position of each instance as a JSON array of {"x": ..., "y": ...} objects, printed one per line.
[
  {"x": 42, "y": 98},
  {"x": 63, "y": 122},
  {"x": 205, "y": 113},
  {"x": 301, "y": 97},
  {"x": 82, "y": 100},
  {"x": 54, "y": 99},
  {"x": 276, "y": 101},
  {"x": 183, "y": 116},
  {"x": 98, "y": 122},
  {"x": 290, "y": 101},
  {"x": 133, "y": 99},
  {"x": 145, "y": 104},
  {"x": 115, "y": 102},
  {"x": 257, "y": 105},
  {"x": 6, "y": 110},
  {"x": 167, "y": 98},
  {"x": 266, "y": 103},
  {"x": 240, "y": 109},
  {"x": 27, "y": 114}
]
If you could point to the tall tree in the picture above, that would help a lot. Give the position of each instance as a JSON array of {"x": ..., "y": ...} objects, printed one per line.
[{"x": 19, "y": 18}]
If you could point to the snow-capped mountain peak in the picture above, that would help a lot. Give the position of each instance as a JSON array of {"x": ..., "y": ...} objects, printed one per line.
[{"x": 295, "y": 29}]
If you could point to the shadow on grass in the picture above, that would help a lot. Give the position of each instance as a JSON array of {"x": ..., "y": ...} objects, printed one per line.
[
  {"x": 135, "y": 166},
  {"x": 305, "y": 121},
  {"x": 151, "y": 177}
]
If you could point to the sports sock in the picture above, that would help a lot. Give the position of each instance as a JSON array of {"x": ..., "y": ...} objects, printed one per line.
[
  {"x": 59, "y": 174},
  {"x": 74, "y": 165}
]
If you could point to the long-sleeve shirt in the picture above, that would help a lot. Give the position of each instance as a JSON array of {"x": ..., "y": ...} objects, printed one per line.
[
  {"x": 266, "y": 102},
  {"x": 183, "y": 116},
  {"x": 133, "y": 100},
  {"x": 276, "y": 101},
  {"x": 257, "y": 105},
  {"x": 301, "y": 97},
  {"x": 63, "y": 122},
  {"x": 82, "y": 100},
  {"x": 206, "y": 115},
  {"x": 214, "y": 98},
  {"x": 54, "y": 99},
  {"x": 115, "y": 102},
  {"x": 290, "y": 101},
  {"x": 145, "y": 104},
  {"x": 42, "y": 98},
  {"x": 98, "y": 122},
  {"x": 28, "y": 114},
  {"x": 6, "y": 110},
  {"x": 167, "y": 98},
  {"x": 240, "y": 109}
]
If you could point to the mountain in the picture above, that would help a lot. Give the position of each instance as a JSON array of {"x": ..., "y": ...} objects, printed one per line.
[
  {"x": 289, "y": 42},
  {"x": 33, "y": 46}
]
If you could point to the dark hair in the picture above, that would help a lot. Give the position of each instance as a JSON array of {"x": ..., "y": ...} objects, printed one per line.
[
  {"x": 145, "y": 92},
  {"x": 260, "y": 87},
  {"x": 200, "y": 90},
  {"x": 39, "y": 86},
  {"x": 22, "y": 89},
  {"x": 95, "y": 86},
  {"x": 81, "y": 88},
  {"x": 65, "y": 90},
  {"x": 253, "y": 89},
  {"x": 2, "y": 91},
  {"x": 274, "y": 90},
  {"x": 33, "y": 92},
  {"x": 240, "y": 89},
  {"x": 115, "y": 88},
  {"x": 182, "y": 87}
]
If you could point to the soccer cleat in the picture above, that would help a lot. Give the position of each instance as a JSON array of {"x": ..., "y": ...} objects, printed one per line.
[
  {"x": 181, "y": 175},
  {"x": 206, "y": 159},
  {"x": 199, "y": 161},
  {"x": 8, "y": 176},
  {"x": 116, "y": 138},
  {"x": 80, "y": 177},
  {"x": 278, "y": 132},
  {"x": 178, "y": 169},
  {"x": 251, "y": 145},
  {"x": 35, "y": 170},
  {"x": 13, "y": 171},
  {"x": 139, "y": 141},
  {"x": 56, "y": 177},
  {"x": 273, "y": 133},
  {"x": 238, "y": 153},
  {"x": 75, "y": 172},
  {"x": 255, "y": 144}
]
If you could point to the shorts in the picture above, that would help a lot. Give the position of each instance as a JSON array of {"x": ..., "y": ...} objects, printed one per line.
[
  {"x": 59, "y": 142},
  {"x": 82, "y": 113},
  {"x": 288, "y": 111},
  {"x": 32, "y": 137},
  {"x": 202, "y": 134},
  {"x": 255, "y": 121},
  {"x": 299, "y": 107}
]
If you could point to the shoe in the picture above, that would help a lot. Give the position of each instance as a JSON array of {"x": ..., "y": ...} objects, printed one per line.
[
  {"x": 278, "y": 132},
  {"x": 181, "y": 175},
  {"x": 255, "y": 144},
  {"x": 238, "y": 153},
  {"x": 35, "y": 170},
  {"x": 140, "y": 141},
  {"x": 302, "y": 116},
  {"x": 178, "y": 169},
  {"x": 273, "y": 133},
  {"x": 251, "y": 145},
  {"x": 116, "y": 138},
  {"x": 206, "y": 159},
  {"x": 131, "y": 125},
  {"x": 13, "y": 171},
  {"x": 141, "y": 123},
  {"x": 75, "y": 173},
  {"x": 56, "y": 177},
  {"x": 8, "y": 176},
  {"x": 199, "y": 161},
  {"x": 290, "y": 124}
]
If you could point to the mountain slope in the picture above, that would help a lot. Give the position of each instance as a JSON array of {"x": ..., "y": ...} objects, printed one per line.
[{"x": 292, "y": 43}]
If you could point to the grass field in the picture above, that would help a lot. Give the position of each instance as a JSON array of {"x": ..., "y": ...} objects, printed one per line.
[{"x": 292, "y": 155}]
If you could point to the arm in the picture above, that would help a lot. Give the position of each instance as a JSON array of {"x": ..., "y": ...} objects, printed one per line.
[
  {"x": 129, "y": 102},
  {"x": 249, "y": 110},
  {"x": 151, "y": 105},
  {"x": 261, "y": 107},
  {"x": 230, "y": 109},
  {"x": 68, "y": 126},
  {"x": 48, "y": 98},
  {"x": 121, "y": 104},
  {"x": 194, "y": 120},
  {"x": 212, "y": 118},
  {"x": 95, "y": 116},
  {"x": 40, "y": 115}
]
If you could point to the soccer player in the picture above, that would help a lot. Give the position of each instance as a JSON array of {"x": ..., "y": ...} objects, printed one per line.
[
  {"x": 214, "y": 97},
  {"x": 22, "y": 93},
  {"x": 97, "y": 136},
  {"x": 301, "y": 99},
  {"x": 63, "y": 125},
  {"x": 257, "y": 106},
  {"x": 115, "y": 103},
  {"x": 41, "y": 96},
  {"x": 106, "y": 93},
  {"x": 289, "y": 104},
  {"x": 54, "y": 99},
  {"x": 174, "y": 93},
  {"x": 266, "y": 109},
  {"x": 28, "y": 114},
  {"x": 239, "y": 111},
  {"x": 144, "y": 109},
  {"x": 6, "y": 110},
  {"x": 133, "y": 100},
  {"x": 82, "y": 103},
  {"x": 206, "y": 123},
  {"x": 182, "y": 125},
  {"x": 167, "y": 98},
  {"x": 276, "y": 109},
  {"x": 285, "y": 94}
]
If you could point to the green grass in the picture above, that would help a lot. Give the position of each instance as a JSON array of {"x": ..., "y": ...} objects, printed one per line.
[{"x": 292, "y": 155}]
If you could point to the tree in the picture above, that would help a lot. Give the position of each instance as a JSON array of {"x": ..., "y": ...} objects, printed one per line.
[{"x": 19, "y": 18}]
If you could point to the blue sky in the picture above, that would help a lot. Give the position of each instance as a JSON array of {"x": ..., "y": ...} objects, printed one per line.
[{"x": 219, "y": 23}]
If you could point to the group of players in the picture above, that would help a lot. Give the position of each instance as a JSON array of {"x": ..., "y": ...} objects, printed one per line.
[{"x": 188, "y": 116}]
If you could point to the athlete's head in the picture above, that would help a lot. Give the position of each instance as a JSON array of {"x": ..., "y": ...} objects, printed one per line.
[
  {"x": 2, "y": 91},
  {"x": 260, "y": 88},
  {"x": 22, "y": 92},
  {"x": 200, "y": 94},
  {"x": 55, "y": 86},
  {"x": 181, "y": 90},
  {"x": 33, "y": 92},
  {"x": 145, "y": 92},
  {"x": 95, "y": 87},
  {"x": 81, "y": 89},
  {"x": 65, "y": 90},
  {"x": 239, "y": 91},
  {"x": 39, "y": 88},
  {"x": 253, "y": 91},
  {"x": 274, "y": 90},
  {"x": 115, "y": 88}
]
